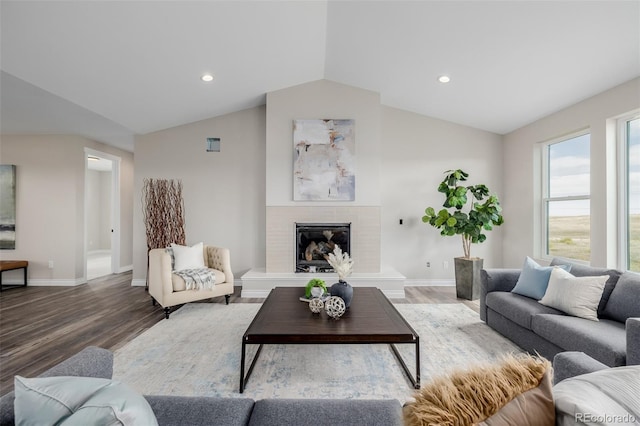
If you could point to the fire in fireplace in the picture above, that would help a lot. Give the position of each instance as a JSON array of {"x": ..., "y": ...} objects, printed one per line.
[{"x": 314, "y": 241}]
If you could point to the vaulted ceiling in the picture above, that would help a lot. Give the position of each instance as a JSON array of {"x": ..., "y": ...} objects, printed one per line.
[{"x": 109, "y": 70}]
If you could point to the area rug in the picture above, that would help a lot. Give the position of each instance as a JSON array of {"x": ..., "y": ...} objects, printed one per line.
[{"x": 197, "y": 353}]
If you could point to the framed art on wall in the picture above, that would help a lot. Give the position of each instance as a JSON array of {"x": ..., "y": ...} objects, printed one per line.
[
  {"x": 7, "y": 206},
  {"x": 324, "y": 164}
]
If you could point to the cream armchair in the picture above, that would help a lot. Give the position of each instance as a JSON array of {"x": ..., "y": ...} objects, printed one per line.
[{"x": 169, "y": 289}]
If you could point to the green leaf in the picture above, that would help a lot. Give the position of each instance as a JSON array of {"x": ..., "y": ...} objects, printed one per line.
[
  {"x": 459, "y": 215},
  {"x": 451, "y": 221},
  {"x": 460, "y": 175},
  {"x": 457, "y": 201}
]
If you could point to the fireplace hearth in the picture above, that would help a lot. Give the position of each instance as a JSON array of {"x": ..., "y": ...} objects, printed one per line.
[{"x": 314, "y": 241}]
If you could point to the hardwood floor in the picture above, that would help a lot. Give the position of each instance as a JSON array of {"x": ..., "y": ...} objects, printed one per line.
[{"x": 41, "y": 326}]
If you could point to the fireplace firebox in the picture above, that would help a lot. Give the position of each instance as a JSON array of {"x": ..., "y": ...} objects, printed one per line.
[{"x": 314, "y": 242}]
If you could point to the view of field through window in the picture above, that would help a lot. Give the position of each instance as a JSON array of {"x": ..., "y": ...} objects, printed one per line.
[
  {"x": 569, "y": 236},
  {"x": 567, "y": 202},
  {"x": 569, "y": 220}
]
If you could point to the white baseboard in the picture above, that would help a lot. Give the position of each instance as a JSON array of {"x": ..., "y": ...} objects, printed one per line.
[
  {"x": 430, "y": 283},
  {"x": 37, "y": 282},
  {"x": 139, "y": 282}
]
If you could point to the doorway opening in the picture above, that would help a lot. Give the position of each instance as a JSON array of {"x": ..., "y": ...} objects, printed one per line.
[{"x": 102, "y": 211}]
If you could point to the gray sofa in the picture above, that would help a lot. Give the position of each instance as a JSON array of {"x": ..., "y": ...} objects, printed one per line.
[
  {"x": 587, "y": 392},
  {"x": 614, "y": 340},
  {"x": 571, "y": 364},
  {"x": 184, "y": 411}
]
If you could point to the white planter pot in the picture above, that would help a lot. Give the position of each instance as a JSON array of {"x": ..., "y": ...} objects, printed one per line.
[{"x": 317, "y": 291}]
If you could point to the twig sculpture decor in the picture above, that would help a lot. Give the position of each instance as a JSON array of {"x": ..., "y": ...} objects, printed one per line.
[{"x": 163, "y": 210}]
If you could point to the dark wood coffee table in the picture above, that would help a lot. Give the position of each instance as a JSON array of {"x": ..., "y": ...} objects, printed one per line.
[{"x": 284, "y": 319}]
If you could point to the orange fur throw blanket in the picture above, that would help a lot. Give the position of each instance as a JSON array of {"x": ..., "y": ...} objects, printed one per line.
[{"x": 471, "y": 396}]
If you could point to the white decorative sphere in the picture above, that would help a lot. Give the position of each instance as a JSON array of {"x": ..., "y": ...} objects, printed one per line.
[
  {"x": 316, "y": 305},
  {"x": 335, "y": 307}
]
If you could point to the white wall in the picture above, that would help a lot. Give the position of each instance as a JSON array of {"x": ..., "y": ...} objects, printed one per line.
[
  {"x": 521, "y": 182},
  {"x": 401, "y": 157},
  {"x": 224, "y": 192},
  {"x": 98, "y": 210},
  {"x": 319, "y": 100},
  {"x": 93, "y": 209},
  {"x": 416, "y": 151},
  {"x": 50, "y": 205},
  {"x": 322, "y": 99},
  {"x": 106, "y": 223}
]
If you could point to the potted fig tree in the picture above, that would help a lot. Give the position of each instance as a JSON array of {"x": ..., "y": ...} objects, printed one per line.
[{"x": 469, "y": 211}]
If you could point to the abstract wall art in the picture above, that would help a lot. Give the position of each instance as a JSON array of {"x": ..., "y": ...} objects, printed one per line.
[
  {"x": 324, "y": 164},
  {"x": 7, "y": 206}
]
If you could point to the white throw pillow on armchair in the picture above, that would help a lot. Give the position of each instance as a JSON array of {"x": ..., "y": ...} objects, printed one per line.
[{"x": 188, "y": 257}]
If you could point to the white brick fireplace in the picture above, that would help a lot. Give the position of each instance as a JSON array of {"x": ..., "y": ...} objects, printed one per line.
[
  {"x": 320, "y": 100},
  {"x": 280, "y": 253},
  {"x": 365, "y": 234}
]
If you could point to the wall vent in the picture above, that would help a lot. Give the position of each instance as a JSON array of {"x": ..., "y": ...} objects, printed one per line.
[{"x": 213, "y": 144}]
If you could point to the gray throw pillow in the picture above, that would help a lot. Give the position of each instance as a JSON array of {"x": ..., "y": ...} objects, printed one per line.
[{"x": 624, "y": 301}]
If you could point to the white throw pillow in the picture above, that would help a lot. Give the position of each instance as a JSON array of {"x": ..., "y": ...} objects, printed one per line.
[
  {"x": 188, "y": 257},
  {"x": 577, "y": 296}
]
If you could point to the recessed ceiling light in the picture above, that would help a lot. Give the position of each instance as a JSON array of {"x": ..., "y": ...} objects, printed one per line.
[
  {"x": 207, "y": 77},
  {"x": 444, "y": 79},
  {"x": 93, "y": 158}
]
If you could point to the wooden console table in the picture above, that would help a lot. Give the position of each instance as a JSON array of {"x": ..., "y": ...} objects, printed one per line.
[{"x": 10, "y": 265}]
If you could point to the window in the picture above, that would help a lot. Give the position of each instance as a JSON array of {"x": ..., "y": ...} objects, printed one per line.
[
  {"x": 630, "y": 138},
  {"x": 566, "y": 187}
]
